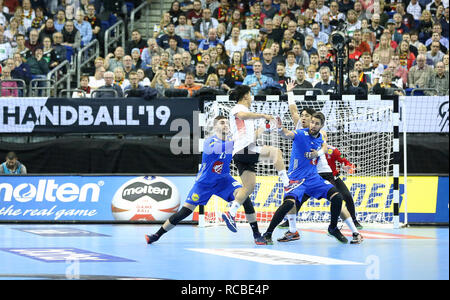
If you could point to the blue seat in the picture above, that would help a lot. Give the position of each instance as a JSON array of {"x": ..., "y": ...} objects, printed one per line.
[
  {"x": 69, "y": 53},
  {"x": 104, "y": 25},
  {"x": 130, "y": 7},
  {"x": 249, "y": 70},
  {"x": 238, "y": 82},
  {"x": 112, "y": 19},
  {"x": 186, "y": 44}
]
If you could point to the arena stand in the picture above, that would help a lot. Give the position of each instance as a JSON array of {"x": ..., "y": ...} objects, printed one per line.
[{"x": 138, "y": 36}]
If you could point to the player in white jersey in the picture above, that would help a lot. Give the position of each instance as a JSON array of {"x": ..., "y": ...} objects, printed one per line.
[
  {"x": 246, "y": 153},
  {"x": 301, "y": 121}
]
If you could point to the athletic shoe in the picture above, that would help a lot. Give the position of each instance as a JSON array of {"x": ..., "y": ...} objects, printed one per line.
[
  {"x": 151, "y": 238},
  {"x": 289, "y": 236},
  {"x": 336, "y": 233},
  {"x": 358, "y": 226},
  {"x": 268, "y": 239},
  {"x": 229, "y": 220},
  {"x": 357, "y": 238},
  {"x": 259, "y": 240},
  {"x": 284, "y": 225}
]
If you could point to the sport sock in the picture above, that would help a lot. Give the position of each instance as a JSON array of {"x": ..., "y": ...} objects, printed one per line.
[
  {"x": 160, "y": 232},
  {"x": 234, "y": 208},
  {"x": 292, "y": 219},
  {"x": 280, "y": 213},
  {"x": 255, "y": 229},
  {"x": 284, "y": 178},
  {"x": 351, "y": 225}
]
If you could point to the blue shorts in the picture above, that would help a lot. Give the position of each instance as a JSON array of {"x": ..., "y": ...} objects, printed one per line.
[
  {"x": 224, "y": 188},
  {"x": 314, "y": 186}
]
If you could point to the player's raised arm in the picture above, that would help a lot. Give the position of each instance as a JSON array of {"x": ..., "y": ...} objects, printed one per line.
[
  {"x": 248, "y": 115},
  {"x": 293, "y": 110},
  {"x": 283, "y": 131}
]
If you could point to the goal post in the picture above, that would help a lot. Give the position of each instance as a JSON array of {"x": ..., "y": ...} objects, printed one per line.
[{"x": 365, "y": 131}]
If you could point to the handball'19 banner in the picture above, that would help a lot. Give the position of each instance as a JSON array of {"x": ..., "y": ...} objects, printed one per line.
[{"x": 98, "y": 115}]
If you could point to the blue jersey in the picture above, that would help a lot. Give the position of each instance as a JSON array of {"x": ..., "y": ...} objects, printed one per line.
[
  {"x": 216, "y": 159},
  {"x": 8, "y": 171},
  {"x": 214, "y": 177},
  {"x": 299, "y": 166}
]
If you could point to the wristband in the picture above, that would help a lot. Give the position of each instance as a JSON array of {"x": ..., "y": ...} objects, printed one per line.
[
  {"x": 320, "y": 152},
  {"x": 291, "y": 100}
]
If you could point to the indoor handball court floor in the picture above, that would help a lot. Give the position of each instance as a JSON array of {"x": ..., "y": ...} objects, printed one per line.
[{"x": 80, "y": 251}]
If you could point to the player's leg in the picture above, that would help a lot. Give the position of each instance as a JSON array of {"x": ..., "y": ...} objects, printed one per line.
[
  {"x": 335, "y": 209},
  {"x": 250, "y": 214},
  {"x": 318, "y": 187},
  {"x": 198, "y": 195},
  {"x": 170, "y": 223},
  {"x": 278, "y": 216},
  {"x": 342, "y": 187},
  {"x": 295, "y": 192},
  {"x": 230, "y": 189},
  {"x": 347, "y": 218},
  {"x": 292, "y": 233},
  {"x": 246, "y": 165},
  {"x": 248, "y": 178},
  {"x": 297, "y": 206},
  {"x": 275, "y": 156},
  {"x": 345, "y": 215}
]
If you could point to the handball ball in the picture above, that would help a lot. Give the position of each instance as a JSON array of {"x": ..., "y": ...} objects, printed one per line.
[{"x": 146, "y": 198}]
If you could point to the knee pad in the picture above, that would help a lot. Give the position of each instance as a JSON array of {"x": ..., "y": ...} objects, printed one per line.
[
  {"x": 288, "y": 203},
  {"x": 180, "y": 215},
  {"x": 338, "y": 197},
  {"x": 331, "y": 192}
]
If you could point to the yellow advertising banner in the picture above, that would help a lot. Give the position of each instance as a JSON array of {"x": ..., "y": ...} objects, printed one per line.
[{"x": 370, "y": 194}]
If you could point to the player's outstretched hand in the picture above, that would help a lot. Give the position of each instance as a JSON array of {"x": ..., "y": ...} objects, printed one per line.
[
  {"x": 268, "y": 117},
  {"x": 290, "y": 85},
  {"x": 349, "y": 169},
  {"x": 279, "y": 123}
]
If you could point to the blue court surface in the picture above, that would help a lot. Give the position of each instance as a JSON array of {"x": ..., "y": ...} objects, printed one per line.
[{"x": 87, "y": 251}]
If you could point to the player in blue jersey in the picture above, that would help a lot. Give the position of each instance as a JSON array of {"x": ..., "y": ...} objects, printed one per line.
[
  {"x": 304, "y": 178},
  {"x": 214, "y": 178}
]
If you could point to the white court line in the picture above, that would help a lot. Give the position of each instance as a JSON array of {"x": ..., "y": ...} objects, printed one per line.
[{"x": 274, "y": 257}]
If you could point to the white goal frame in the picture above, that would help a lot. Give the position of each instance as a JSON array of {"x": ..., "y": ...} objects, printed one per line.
[{"x": 396, "y": 154}]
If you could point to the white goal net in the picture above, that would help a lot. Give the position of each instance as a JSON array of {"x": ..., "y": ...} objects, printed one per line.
[{"x": 363, "y": 132}]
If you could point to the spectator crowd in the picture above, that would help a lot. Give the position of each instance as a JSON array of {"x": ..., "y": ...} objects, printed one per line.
[{"x": 210, "y": 46}]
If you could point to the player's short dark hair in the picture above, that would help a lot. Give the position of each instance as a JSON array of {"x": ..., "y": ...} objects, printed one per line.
[
  {"x": 218, "y": 118},
  {"x": 320, "y": 116},
  {"x": 11, "y": 155},
  {"x": 239, "y": 92},
  {"x": 309, "y": 110}
]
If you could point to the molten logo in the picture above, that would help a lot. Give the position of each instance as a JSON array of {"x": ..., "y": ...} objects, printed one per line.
[
  {"x": 49, "y": 191},
  {"x": 158, "y": 191}
]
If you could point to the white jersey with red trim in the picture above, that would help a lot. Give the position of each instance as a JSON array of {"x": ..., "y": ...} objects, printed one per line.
[
  {"x": 243, "y": 131},
  {"x": 322, "y": 165}
]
